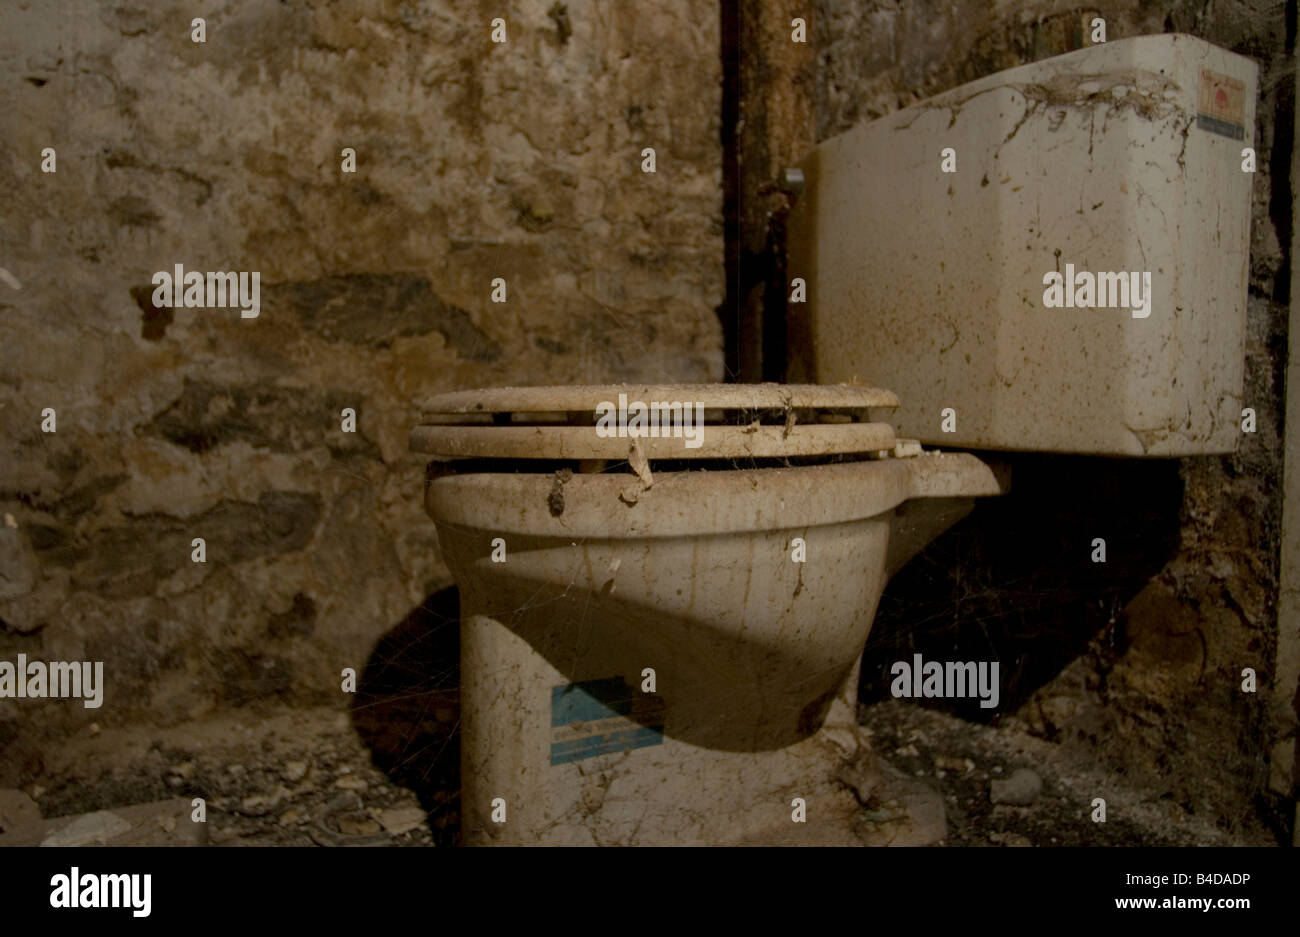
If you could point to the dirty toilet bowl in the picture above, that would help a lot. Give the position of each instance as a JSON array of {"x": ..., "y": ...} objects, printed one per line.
[{"x": 633, "y": 646}]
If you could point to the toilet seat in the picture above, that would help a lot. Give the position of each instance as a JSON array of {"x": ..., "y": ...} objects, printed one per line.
[{"x": 739, "y": 421}]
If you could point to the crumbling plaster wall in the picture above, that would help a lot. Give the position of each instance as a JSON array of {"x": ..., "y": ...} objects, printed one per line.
[
  {"x": 475, "y": 160},
  {"x": 1158, "y": 697}
]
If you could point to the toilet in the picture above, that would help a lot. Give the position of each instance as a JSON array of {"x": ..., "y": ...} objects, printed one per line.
[
  {"x": 665, "y": 590},
  {"x": 645, "y": 657}
]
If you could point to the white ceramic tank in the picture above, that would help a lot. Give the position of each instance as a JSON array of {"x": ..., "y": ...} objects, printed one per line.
[{"x": 1123, "y": 158}]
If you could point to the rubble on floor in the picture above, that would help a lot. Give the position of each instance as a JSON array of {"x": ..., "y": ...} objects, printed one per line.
[
  {"x": 1005, "y": 787},
  {"x": 280, "y": 777}
]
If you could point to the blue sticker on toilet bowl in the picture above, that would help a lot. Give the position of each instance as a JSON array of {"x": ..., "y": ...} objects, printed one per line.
[{"x": 597, "y": 717}]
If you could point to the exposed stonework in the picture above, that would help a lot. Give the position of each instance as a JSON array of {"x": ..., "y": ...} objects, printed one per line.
[{"x": 475, "y": 161}]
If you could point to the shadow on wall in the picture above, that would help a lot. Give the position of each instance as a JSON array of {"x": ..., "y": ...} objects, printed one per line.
[
  {"x": 407, "y": 709},
  {"x": 1016, "y": 581}
]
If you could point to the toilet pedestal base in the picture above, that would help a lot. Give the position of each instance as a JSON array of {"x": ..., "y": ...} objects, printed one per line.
[{"x": 541, "y": 765}]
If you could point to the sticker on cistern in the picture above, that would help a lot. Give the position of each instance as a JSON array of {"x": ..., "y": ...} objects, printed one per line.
[
  {"x": 597, "y": 717},
  {"x": 1221, "y": 105}
]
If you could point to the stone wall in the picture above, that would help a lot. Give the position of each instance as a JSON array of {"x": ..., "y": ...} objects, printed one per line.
[
  {"x": 474, "y": 160},
  {"x": 1156, "y": 694}
]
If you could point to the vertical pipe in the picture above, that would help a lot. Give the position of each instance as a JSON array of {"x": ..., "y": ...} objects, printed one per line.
[
  {"x": 729, "y": 313},
  {"x": 775, "y": 125}
]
